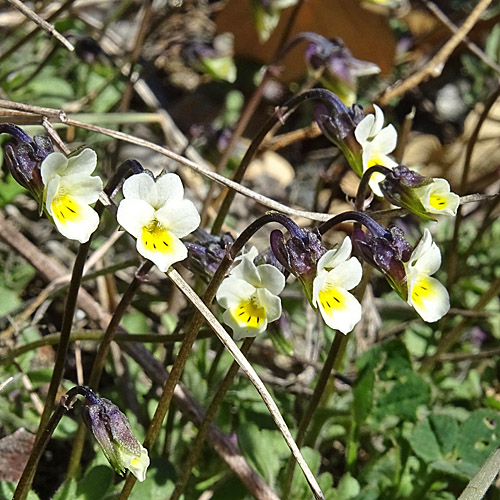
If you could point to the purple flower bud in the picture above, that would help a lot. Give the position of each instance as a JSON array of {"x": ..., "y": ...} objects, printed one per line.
[
  {"x": 23, "y": 157},
  {"x": 112, "y": 431},
  {"x": 387, "y": 250},
  {"x": 340, "y": 70},
  {"x": 205, "y": 255},
  {"x": 337, "y": 122},
  {"x": 299, "y": 255}
]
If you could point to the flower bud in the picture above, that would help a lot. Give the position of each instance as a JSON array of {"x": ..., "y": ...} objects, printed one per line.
[
  {"x": 339, "y": 69},
  {"x": 207, "y": 252},
  {"x": 387, "y": 250},
  {"x": 113, "y": 433},
  {"x": 337, "y": 122},
  {"x": 299, "y": 255},
  {"x": 23, "y": 156}
]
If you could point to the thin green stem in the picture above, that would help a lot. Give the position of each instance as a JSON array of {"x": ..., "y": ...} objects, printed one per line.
[
  {"x": 101, "y": 356},
  {"x": 95, "y": 335},
  {"x": 363, "y": 185},
  {"x": 334, "y": 355},
  {"x": 196, "y": 447}
]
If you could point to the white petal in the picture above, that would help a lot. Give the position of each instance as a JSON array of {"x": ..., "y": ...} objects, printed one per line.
[
  {"x": 141, "y": 187},
  {"x": 428, "y": 296},
  {"x": 339, "y": 308},
  {"x": 347, "y": 276},
  {"x": 270, "y": 302},
  {"x": 180, "y": 218},
  {"x": 162, "y": 256},
  {"x": 241, "y": 331},
  {"x": 232, "y": 291},
  {"x": 54, "y": 163},
  {"x": 134, "y": 214},
  {"x": 385, "y": 141},
  {"x": 250, "y": 254},
  {"x": 426, "y": 257},
  {"x": 437, "y": 198},
  {"x": 169, "y": 188},
  {"x": 379, "y": 120},
  {"x": 83, "y": 163},
  {"x": 85, "y": 188},
  {"x": 336, "y": 256},
  {"x": 139, "y": 465},
  {"x": 271, "y": 278},
  {"x": 82, "y": 227},
  {"x": 246, "y": 270},
  {"x": 363, "y": 130}
]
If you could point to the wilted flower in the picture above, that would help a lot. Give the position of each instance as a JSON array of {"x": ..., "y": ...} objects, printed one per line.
[
  {"x": 377, "y": 142},
  {"x": 112, "y": 431},
  {"x": 155, "y": 212},
  {"x": 213, "y": 59},
  {"x": 427, "y": 295},
  {"x": 340, "y": 70},
  {"x": 250, "y": 296},
  {"x": 69, "y": 190},
  {"x": 23, "y": 157},
  {"x": 337, "y": 273},
  {"x": 266, "y": 15}
]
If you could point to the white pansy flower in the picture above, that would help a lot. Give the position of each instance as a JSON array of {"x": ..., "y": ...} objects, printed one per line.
[
  {"x": 69, "y": 189},
  {"x": 377, "y": 142},
  {"x": 250, "y": 296},
  {"x": 437, "y": 198},
  {"x": 427, "y": 295},
  {"x": 155, "y": 212},
  {"x": 338, "y": 272}
]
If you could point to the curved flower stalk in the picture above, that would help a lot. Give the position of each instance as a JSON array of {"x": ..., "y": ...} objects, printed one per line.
[
  {"x": 69, "y": 191},
  {"x": 155, "y": 212},
  {"x": 377, "y": 142},
  {"x": 427, "y": 295},
  {"x": 250, "y": 296},
  {"x": 112, "y": 431},
  {"x": 338, "y": 272}
]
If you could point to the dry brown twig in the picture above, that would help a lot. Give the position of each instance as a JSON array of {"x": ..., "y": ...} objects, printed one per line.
[
  {"x": 435, "y": 66},
  {"x": 20, "y": 6}
]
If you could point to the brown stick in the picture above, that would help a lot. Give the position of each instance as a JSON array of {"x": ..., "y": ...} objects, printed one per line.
[{"x": 435, "y": 66}]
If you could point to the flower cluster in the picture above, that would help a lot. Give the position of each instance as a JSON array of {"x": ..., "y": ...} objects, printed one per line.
[{"x": 250, "y": 296}]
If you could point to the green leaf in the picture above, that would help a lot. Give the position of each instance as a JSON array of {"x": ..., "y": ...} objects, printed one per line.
[
  {"x": 263, "y": 449},
  {"x": 159, "y": 482},
  {"x": 478, "y": 438},
  {"x": 434, "y": 437},
  {"x": 67, "y": 491},
  {"x": 7, "y": 489},
  {"x": 95, "y": 483}
]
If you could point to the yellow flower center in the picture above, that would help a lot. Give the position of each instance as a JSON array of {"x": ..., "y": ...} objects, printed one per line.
[
  {"x": 422, "y": 291},
  {"x": 65, "y": 209},
  {"x": 330, "y": 300},
  {"x": 155, "y": 237},
  {"x": 249, "y": 313},
  {"x": 437, "y": 201}
]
